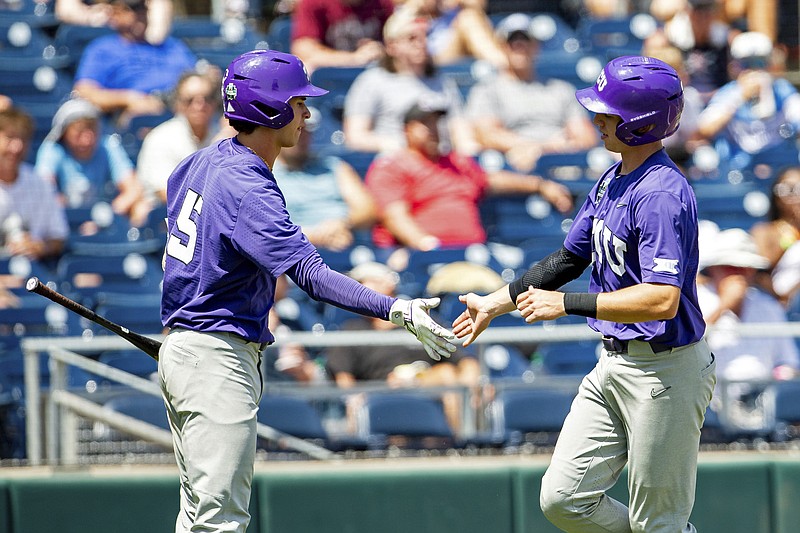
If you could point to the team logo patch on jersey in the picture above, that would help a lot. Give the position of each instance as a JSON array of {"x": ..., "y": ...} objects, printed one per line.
[
  {"x": 230, "y": 91},
  {"x": 670, "y": 266},
  {"x": 601, "y": 189}
]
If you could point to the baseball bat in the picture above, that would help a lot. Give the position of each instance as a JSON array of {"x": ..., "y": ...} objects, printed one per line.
[{"x": 145, "y": 344}]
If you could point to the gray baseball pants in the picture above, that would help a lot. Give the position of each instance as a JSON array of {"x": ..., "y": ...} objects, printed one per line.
[
  {"x": 212, "y": 386},
  {"x": 642, "y": 409}
]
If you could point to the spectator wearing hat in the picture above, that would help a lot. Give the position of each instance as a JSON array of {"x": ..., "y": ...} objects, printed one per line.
[
  {"x": 398, "y": 366},
  {"x": 123, "y": 73},
  {"x": 87, "y": 166},
  {"x": 32, "y": 221},
  {"x": 381, "y": 95},
  {"x": 339, "y": 33},
  {"x": 324, "y": 194},
  {"x": 428, "y": 198},
  {"x": 729, "y": 297},
  {"x": 196, "y": 123},
  {"x": 757, "y": 112},
  {"x": 501, "y": 114}
]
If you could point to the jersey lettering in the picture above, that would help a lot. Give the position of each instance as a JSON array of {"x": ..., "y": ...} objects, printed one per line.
[
  {"x": 184, "y": 252},
  {"x": 608, "y": 248}
]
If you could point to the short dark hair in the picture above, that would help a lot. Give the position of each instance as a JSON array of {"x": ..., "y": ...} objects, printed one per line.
[
  {"x": 14, "y": 116},
  {"x": 242, "y": 126}
]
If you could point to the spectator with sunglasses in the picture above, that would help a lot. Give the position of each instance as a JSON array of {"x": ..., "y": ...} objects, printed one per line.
[
  {"x": 197, "y": 121},
  {"x": 777, "y": 238}
]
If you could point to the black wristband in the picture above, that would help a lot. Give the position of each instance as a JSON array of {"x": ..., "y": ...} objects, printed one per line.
[{"x": 581, "y": 303}]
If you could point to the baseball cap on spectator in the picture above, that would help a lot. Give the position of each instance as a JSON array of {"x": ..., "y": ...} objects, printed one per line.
[
  {"x": 69, "y": 112},
  {"x": 374, "y": 270},
  {"x": 425, "y": 108},
  {"x": 731, "y": 247},
  {"x": 751, "y": 44},
  {"x": 402, "y": 22},
  {"x": 515, "y": 25}
]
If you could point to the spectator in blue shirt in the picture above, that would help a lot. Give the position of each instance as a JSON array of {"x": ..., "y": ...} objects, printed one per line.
[
  {"x": 87, "y": 166},
  {"x": 123, "y": 72}
]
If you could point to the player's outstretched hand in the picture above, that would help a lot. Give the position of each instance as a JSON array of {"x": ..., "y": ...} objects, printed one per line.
[
  {"x": 413, "y": 315},
  {"x": 473, "y": 320}
]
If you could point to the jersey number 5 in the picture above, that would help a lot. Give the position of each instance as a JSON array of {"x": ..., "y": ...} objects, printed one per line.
[{"x": 177, "y": 248}]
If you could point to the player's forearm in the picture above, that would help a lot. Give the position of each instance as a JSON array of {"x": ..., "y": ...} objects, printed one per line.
[{"x": 639, "y": 303}]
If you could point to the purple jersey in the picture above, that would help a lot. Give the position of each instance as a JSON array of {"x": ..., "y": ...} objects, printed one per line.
[
  {"x": 642, "y": 228},
  {"x": 229, "y": 238}
]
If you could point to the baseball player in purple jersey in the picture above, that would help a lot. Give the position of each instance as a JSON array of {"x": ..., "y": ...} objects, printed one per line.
[
  {"x": 229, "y": 238},
  {"x": 643, "y": 404}
]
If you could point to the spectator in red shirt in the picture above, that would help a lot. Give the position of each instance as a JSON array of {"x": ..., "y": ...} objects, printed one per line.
[
  {"x": 429, "y": 199},
  {"x": 339, "y": 33}
]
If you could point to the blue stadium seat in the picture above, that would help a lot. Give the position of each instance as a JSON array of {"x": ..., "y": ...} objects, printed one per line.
[
  {"x": 133, "y": 362},
  {"x": 133, "y": 133},
  {"x": 144, "y": 319},
  {"x": 71, "y": 40},
  {"x": 613, "y": 37},
  {"x": 580, "y": 70},
  {"x": 279, "y": 34},
  {"x": 731, "y": 205},
  {"x": 300, "y": 418},
  {"x": 418, "y": 419},
  {"x": 337, "y": 80},
  {"x": 36, "y": 13},
  {"x": 142, "y": 406},
  {"x": 34, "y": 82},
  {"x": 569, "y": 357},
  {"x": 531, "y": 415}
]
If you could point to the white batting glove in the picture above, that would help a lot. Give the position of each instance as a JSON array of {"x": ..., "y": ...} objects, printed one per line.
[{"x": 413, "y": 315}]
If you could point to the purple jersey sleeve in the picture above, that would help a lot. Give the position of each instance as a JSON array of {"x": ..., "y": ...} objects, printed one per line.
[
  {"x": 321, "y": 283},
  {"x": 642, "y": 228},
  {"x": 229, "y": 238}
]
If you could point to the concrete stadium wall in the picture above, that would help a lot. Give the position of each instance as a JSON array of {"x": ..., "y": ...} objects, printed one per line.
[{"x": 460, "y": 495}]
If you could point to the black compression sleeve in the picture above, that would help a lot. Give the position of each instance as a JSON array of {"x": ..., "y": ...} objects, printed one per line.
[{"x": 552, "y": 272}]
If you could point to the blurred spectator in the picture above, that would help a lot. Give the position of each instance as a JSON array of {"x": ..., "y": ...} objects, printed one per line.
[
  {"x": 32, "y": 221},
  {"x": 754, "y": 113},
  {"x": 682, "y": 144},
  {"x": 697, "y": 29},
  {"x": 399, "y": 366},
  {"x": 88, "y": 166},
  {"x": 123, "y": 73},
  {"x": 728, "y": 298},
  {"x": 288, "y": 361},
  {"x": 429, "y": 199},
  {"x": 380, "y": 96},
  {"x": 777, "y": 238},
  {"x": 196, "y": 123},
  {"x": 753, "y": 15},
  {"x": 324, "y": 195},
  {"x": 458, "y": 30},
  {"x": 5, "y": 102},
  {"x": 339, "y": 33},
  {"x": 80, "y": 13},
  {"x": 500, "y": 110}
]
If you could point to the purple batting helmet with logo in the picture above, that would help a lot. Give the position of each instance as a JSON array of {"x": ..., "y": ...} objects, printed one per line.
[
  {"x": 645, "y": 92},
  {"x": 258, "y": 86}
]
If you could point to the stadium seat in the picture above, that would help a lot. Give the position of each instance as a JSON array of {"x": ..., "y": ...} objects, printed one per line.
[
  {"x": 337, "y": 80},
  {"x": 132, "y": 361},
  {"x": 133, "y": 133},
  {"x": 300, "y": 418},
  {"x": 83, "y": 276},
  {"x": 418, "y": 420},
  {"x": 731, "y": 205},
  {"x": 785, "y": 399},
  {"x": 568, "y": 357},
  {"x": 71, "y": 40},
  {"x": 36, "y": 13},
  {"x": 142, "y": 406},
  {"x": 530, "y": 415},
  {"x": 614, "y": 37},
  {"x": 279, "y": 34}
]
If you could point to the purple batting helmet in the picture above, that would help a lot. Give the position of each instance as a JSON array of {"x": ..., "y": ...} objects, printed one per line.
[
  {"x": 645, "y": 92},
  {"x": 258, "y": 86}
]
